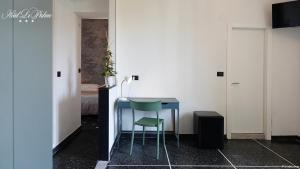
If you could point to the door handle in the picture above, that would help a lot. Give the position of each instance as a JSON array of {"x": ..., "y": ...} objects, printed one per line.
[{"x": 236, "y": 83}]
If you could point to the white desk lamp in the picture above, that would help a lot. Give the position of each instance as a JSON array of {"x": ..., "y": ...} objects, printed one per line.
[{"x": 128, "y": 80}]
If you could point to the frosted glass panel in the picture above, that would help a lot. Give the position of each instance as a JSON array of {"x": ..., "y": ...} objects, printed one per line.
[
  {"x": 33, "y": 89},
  {"x": 6, "y": 88}
]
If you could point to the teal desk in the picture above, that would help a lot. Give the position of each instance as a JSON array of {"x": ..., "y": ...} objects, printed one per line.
[{"x": 167, "y": 103}]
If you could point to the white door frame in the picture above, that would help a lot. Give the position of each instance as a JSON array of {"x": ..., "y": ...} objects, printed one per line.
[{"x": 267, "y": 115}]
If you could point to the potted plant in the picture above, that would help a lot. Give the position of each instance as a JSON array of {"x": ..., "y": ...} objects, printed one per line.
[{"x": 109, "y": 72}]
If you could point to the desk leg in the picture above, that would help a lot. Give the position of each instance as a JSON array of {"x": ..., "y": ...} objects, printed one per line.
[
  {"x": 174, "y": 121},
  {"x": 119, "y": 112},
  {"x": 118, "y": 127},
  {"x": 176, "y": 124},
  {"x": 177, "y": 128},
  {"x": 121, "y": 119}
]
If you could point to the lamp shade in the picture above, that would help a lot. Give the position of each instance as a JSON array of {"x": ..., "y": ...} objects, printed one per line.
[{"x": 128, "y": 80}]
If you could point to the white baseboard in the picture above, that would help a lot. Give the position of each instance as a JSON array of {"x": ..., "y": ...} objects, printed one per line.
[{"x": 247, "y": 136}]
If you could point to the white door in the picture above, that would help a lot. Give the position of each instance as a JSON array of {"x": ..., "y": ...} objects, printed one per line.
[{"x": 245, "y": 78}]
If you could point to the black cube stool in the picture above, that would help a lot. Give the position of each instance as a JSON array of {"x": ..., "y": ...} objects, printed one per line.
[{"x": 209, "y": 129}]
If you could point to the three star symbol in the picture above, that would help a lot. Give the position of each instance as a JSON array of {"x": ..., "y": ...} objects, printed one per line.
[{"x": 26, "y": 20}]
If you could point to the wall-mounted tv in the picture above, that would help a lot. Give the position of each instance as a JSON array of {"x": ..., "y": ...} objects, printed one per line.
[{"x": 286, "y": 14}]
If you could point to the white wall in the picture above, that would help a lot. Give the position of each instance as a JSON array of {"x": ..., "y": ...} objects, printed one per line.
[
  {"x": 169, "y": 45},
  {"x": 176, "y": 47},
  {"x": 112, "y": 118},
  {"x": 100, "y": 6},
  {"x": 66, "y": 89},
  {"x": 91, "y": 8},
  {"x": 67, "y": 59},
  {"x": 113, "y": 92},
  {"x": 286, "y": 81}
]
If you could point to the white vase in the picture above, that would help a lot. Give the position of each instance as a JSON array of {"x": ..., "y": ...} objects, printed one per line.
[{"x": 110, "y": 81}]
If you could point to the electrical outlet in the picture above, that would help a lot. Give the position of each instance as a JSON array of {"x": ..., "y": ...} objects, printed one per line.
[
  {"x": 220, "y": 74},
  {"x": 135, "y": 77},
  {"x": 58, "y": 74}
]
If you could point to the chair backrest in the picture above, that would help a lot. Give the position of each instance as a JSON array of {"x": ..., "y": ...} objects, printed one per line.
[{"x": 146, "y": 106}]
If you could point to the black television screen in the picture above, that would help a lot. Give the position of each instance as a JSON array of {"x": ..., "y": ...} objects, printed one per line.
[{"x": 286, "y": 14}]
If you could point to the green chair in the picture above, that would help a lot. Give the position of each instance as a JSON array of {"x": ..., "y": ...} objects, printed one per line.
[{"x": 147, "y": 122}]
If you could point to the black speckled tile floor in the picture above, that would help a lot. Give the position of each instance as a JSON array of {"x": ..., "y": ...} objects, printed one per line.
[
  {"x": 289, "y": 149},
  {"x": 250, "y": 153},
  {"x": 141, "y": 155},
  {"x": 81, "y": 153},
  {"x": 239, "y": 154}
]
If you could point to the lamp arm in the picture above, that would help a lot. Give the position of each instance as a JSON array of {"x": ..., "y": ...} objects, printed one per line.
[{"x": 122, "y": 87}]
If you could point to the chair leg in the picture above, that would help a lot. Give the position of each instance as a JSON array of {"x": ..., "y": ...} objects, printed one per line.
[
  {"x": 143, "y": 135},
  {"x": 163, "y": 132},
  {"x": 157, "y": 146},
  {"x": 132, "y": 139}
]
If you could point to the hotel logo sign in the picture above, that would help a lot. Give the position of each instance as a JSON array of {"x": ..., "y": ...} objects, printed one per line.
[{"x": 26, "y": 15}]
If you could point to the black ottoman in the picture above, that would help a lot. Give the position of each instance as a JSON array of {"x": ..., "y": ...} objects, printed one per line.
[{"x": 209, "y": 129}]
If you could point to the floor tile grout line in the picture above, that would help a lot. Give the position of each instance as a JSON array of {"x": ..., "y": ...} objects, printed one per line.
[
  {"x": 167, "y": 156},
  {"x": 223, "y": 166},
  {"x": 267, "y": 166},
  {"x": 209, "y": 166},
  {"x": 137, "y": 165},
  {"x": 226, "y": 158},
  {"x": 101, "y": 165},
  {"x": 274, "y": 152}
]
